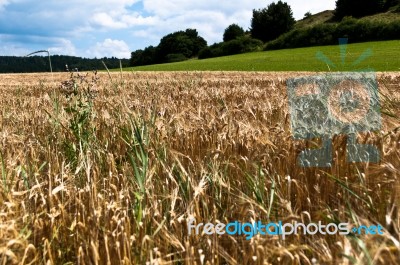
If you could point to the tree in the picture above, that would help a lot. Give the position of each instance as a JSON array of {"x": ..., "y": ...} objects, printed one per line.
[
  {"x": 144, "y": 57},
  {"x": 187, "y": 43},
  {"x": 358, "y": 8},
  {"x": 174, "y": 47},
  {"x": 307, "y": 15},
  {"x": 232, "y": 32},
  {"x": 271, "y": 22}
]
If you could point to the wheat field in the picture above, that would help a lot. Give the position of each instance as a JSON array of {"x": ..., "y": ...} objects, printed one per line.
[{"x": 108, "y": 169}]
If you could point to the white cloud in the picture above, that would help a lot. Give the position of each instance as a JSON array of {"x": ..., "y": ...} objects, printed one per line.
[
  {"x": 13, "y": 45},
  {"x": 300, "y": 7},
  {"x": 169, "y": 8},
  {"x": 146, "y": 34},
  {"x": 210, "y": 18},
  {"x": 3, "y": 3},
  {"x": 138, "y": 20},
  {"x": 110, "y": 48},
  {"x": 106, "y": 21},
  {"x": 209, "y": 24},
  {"x": 118, "y": 22},
  {"x": 13, "y": 50},
  {"x": 122, "y": 21},
  {"x": 93, "y": 6},
  {"x": 63, "y": 46}
]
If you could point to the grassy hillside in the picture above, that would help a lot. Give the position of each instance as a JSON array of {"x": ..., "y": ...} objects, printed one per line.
[
  {"x": 304, "y": 59},
  {"x": 385, "y": 57},
  {"x": 315, "y": 19},
  {"x": 327, "y": 17}
]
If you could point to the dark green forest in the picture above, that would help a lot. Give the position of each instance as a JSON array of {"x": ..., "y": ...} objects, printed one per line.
[{"x": 14, "y": 64}]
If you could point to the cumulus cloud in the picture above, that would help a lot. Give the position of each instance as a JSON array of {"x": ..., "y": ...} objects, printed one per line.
[
  {"x": 110, "y": 48},
  {"x": 103, "y": 23},
  {"x": 11, "y": 49},
  {"x": 210, "y": 18},
  {"x": 14, "y": 45},
  {"x": 123, "y": 21},
  {"x": 145, "y": 34},
  {"x": 105, "y": 20},
  {"x": 209, "y": 23},
  {"x": 177, "y": 7},
  {"x": 63, "y": 46}
]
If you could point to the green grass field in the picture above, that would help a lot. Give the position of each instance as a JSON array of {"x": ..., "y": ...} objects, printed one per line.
[{"x": 385, "y": 56}]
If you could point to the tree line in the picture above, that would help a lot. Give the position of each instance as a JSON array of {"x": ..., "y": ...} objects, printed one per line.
[
  {"x": 269, "y": 28},
  {"x": 14, "y": 64},
  {"x": 183, "y": 45}
]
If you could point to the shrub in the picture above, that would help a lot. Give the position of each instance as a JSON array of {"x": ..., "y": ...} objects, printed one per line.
[
  {"x": 328, "y": 34},
  {"x": 205, "y": 53},
  {"x": 346, "y": 28},
  {"x": 393, "y": 30},
  {"x": 232, "y": 47},
  {"x": 307, "y": 15},
  {"x": 358, "y": 8},
  {"x": 236, "y": 46},
  {"x": 175, "y": 57},
  {"x": 250, "y": 44}
]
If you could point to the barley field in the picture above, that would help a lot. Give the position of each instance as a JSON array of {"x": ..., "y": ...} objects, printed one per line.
[{"x": 108, "y": 169}]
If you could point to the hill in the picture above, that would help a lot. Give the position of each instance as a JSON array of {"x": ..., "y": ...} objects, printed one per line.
[
  {"x": 327, "y": 16},
  {"x": 320, "y": 29},
  {"x": 300, "y": 59},
  {"x": 318, "y": 18},
  {"x": 324, "y": 29}
]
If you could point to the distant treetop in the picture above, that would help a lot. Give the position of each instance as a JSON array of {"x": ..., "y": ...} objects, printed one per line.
[{"x": 232, "y": 32}]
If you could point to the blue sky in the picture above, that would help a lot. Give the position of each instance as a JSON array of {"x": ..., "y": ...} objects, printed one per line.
[{"x": 117, "y": 27}]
